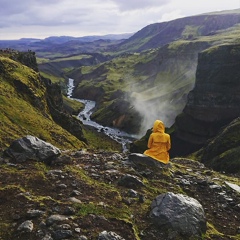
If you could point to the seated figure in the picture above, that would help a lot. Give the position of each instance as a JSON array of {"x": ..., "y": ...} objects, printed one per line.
[{"x": 159, "y": 143}]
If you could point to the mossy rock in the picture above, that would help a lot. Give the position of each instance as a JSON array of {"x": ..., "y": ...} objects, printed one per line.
[{"x": 222, "y": 152}]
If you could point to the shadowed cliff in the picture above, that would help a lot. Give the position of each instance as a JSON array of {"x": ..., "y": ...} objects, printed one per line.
[{"x": 213, "y": 103}]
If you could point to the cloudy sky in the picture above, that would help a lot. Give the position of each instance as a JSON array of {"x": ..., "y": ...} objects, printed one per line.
[{"x": 44, "y": 18}]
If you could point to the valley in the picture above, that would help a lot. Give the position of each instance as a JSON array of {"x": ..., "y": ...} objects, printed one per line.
[
  {"x": 85, "y": 117},
  {"x": 94, "y": 101}
]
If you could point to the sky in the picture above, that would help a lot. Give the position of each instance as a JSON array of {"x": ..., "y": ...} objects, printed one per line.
[{"x": 77, "y": 18}]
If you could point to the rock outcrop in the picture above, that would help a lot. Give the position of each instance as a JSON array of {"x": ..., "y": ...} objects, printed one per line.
[
  {"x": 59, "y": 115},
  {"x": 30, "y": 103},
  {"x": 213, "y": 103},
  {"x": 26, "y": 58},
  {"x": 222, "y": 152},
  {"x": 32, "y": 148},
  {"x": 180, "y": 214}
]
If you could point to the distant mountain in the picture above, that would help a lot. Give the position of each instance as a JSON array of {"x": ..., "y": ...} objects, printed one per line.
[
  {"x": 187, "y": 28},
  {"x": 64, "y": 39},
  {"x": 24, "y": 44}
]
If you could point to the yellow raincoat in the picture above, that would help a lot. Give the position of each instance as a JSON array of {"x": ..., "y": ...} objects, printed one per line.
[{"x": 159, "y": 143}]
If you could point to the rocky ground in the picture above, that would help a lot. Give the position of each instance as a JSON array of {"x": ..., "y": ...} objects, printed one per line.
[{"x": 81, "y": 196}]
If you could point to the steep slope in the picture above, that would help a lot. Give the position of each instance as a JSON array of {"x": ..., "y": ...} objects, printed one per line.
[
  {"x": 27, "y": 107},
  {"x": 221, "y": 153},
  {"x": 214, "y": 101},
  {"x": 188, "y": 28}
]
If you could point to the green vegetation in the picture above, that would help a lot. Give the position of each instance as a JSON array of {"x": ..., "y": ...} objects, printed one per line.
[
  {"x": 162, "y": 75},
  {"x": 24, "y": 110},
  {"x": 222, "y": 152},
  {"x": 74, "y": 105},
  {"x": 144, "y": 69},
  {"x": 33, "y": 185},
  {"x": 190, "y": 32},
  {"x": 99, "y": 141}
]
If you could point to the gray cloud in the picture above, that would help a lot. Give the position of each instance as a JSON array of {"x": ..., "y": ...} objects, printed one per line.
[
  {"x": 43, "y": 18},
  {"x": 127, "y": 5}
]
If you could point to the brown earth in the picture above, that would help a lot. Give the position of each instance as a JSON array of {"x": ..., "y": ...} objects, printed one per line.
[{"x": 91, "y": 178}]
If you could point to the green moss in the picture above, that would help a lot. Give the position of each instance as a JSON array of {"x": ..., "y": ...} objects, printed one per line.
[
  {"x": 6, "y": 229},
  {"x": 54, "y": 79},
  {"x": 98, "y": 140},
  {"x": 228, "y": 161},
  {"x": 212, "y": 232},
  {"x": 190, "y": 32},
  {"x": 75, "y": 105},
  {"x": 24, "y": 111}
]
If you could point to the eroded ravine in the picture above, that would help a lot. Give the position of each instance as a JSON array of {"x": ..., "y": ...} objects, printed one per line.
[{"x": 85, "y": 116}]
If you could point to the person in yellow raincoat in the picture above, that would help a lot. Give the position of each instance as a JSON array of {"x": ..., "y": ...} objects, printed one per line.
[{"x": 159, "y": 143}]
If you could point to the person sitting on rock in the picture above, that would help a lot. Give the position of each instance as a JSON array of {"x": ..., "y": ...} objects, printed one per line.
[{"x": 159, "y": 143}]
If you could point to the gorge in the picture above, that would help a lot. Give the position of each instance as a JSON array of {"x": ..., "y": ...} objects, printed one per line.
[
  {"x": 88, "y": 190},
  {"x": 85, "y": 116}
]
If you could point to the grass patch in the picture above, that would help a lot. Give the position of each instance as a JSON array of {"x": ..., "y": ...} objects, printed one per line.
[{"x": 24, "y": 110}]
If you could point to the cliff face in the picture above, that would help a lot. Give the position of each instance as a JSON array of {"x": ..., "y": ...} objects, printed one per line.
[
  {"x": 222, "y": 152},
  {"x": 59, "y": 115},
  {"x": 214, "y": 101},
  {"x": 30, "y": 105},
  {"x": 26, "y": 58}
]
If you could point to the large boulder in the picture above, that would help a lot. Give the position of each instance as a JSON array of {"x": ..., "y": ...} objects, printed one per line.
[
  {"x": 140, "y": 159},
  {"x": 109, "y": 236},
  {"x": 180, "y": 216},
  {"x": 130, "y": 181},
  {"x": 32, "y": 148}
]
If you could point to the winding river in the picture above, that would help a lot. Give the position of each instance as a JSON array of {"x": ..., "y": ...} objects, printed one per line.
[{"x": 85, "y": 116}]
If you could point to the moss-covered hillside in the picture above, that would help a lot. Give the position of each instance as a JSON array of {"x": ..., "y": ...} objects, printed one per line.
[{"x": 23, "y": 106}]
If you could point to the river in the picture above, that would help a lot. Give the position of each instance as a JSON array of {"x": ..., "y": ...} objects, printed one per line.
[{"x": 85, "y": 116}]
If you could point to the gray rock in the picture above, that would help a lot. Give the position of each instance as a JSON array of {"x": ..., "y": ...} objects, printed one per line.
[
  {"x": 62, "y": 186},
  {"x": 69, "y": 211},
  {"x": 55, "y": 219},
  {"x": 130, "y": 181},
  {"x": 141, "y": 159},
  {"x": 75, "y": 193},
  {"x": 63, "y": 227},
  {"x": 32, "y": 148},
  {"x": 109, "y": 236},
  {"x": 178, "y": 214},
  {"x": 132, "y": 193},
  {"x": 74, "y": 200},
  {"x": 26, "y": 226},
  {"x": 82, "y": 237},
  {"x": 34, "y": 213},
  {"x": 47, "y": 237},
  {"x": 233, "y": 186},
  {"x": 62, "y": 234},
  {"x": 55, "y": 172}
]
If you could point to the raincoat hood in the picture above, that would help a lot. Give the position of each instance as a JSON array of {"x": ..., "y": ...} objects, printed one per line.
[{"x": 158, "y": 126}]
